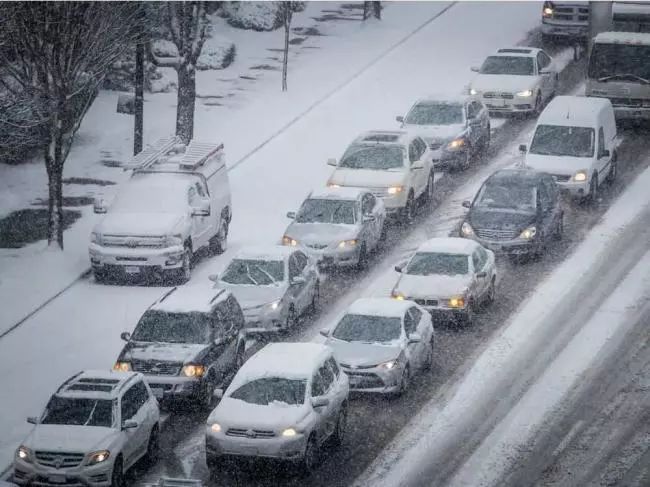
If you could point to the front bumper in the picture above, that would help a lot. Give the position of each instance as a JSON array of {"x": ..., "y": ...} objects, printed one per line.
[
  {"x": 334, "y": 256},
  {"x": 516, "y": 104},
  {"x": 443, "y": 159},
  {"x": 28, "y": 473},
  {"x": 278, "y": 447},
  {"x": 511, "y": 247},
  {"x": 565, "y": 30},
  {"x": 439, "y": 309},
  {"x": 134, "y": 260},
  {"x": 374, "y": 380},
  {"x": 574, "y": 188},
  {"x": 170, "y": 388}
]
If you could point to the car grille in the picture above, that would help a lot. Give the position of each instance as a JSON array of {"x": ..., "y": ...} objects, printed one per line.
[
  {"x": 364, "y": 381},
  {"x": 571, "y": 14},
  {"x": 561, "y": 178},
  {"x": 348, "y": 366},
  {"x": 133, "y": 241},
  {"x": 317, "y": 246},
  {"x": 425, "y": 302},
  {"x": 494, "y": 94},
  {"x": 629, "y": 102},
  {"x": 156, "y": 368},
  {"x": 59, "y": 459},
  {"x": 494, "y": 234},
  {"x": 252, "y": 434}
]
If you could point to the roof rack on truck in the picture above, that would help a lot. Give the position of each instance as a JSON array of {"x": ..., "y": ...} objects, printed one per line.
[{"x": 152, "y": 153}]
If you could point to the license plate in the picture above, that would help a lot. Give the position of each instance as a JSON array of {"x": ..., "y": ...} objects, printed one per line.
[
  {"x": 56, "y": 479},
  {"x": 157, "y": 392},
  {"x": 132, "y": 269},
  {"x": 249, "y": 450},
  {"x": 495, "y": 248}
]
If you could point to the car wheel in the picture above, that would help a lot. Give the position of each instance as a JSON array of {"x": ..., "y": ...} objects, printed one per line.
[
  {"x": 292, "y": 319},
  {"x": 429, "y": 191},
  {"x": 341, "y": 424},
  {"x": 409, "y": 210},
  {"x": 363, "y": 256},
  {"x": 491, "y": 292},
  {"x": 117, "y": 477},
  {"x": 315, "y": 299},
  {"x": 428, "y": 361},
  {"x": 310, "y": 457},
  {"x": 153, "y": 446},
  {"x": 214, "y": 465},
  {"x": 219, "y": 243},
  {"x": 404, "y": 381},
  {"x": 593, "y": 190},
  {"x": 613, "y": 171},
  {"x": 538, "y": 104},
  {"x": 100, "y": 277},
  {"x": 559, "y": 229}
]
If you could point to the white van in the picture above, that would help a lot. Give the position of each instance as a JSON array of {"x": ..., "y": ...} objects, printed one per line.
[{"x": 575, "y": 141}]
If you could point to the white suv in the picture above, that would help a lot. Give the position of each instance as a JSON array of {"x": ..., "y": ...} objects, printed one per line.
[
  {"x": 95, "y": 427},
  {"x": 394, "y": 165}
]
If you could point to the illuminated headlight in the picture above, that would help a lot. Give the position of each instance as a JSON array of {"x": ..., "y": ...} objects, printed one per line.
[
  {"x": 473, "y": 91},
  {"x": 96, "y": 237},
  {"x": 24, "y": 453},
  {"x": 580, "y": 176},
  {"x": 390, "y": 365},
  {"x": 332, "y": 185},
  {"x": 173, "y": 240},
  {"x": 456, "y": 144},
  {"x": 286, "y": 240},
  {"x": 395, "y": 189},
  {"x": 525, "y": 93},
  {"x": 548, "y": 11},
  {"x": 193, "y": 370},
  {"x": 289, "y": 432},
  {"x": 274, "y": 305},
  {"x": 122, "y": 366},
  {"x": 347, "y": 244},
  {"x": 215, "y": 427},
  {"x": 98, "y": 457},
  {"x": 466, "y": 230},
  {"x": 456, "y": 302},
  {"x": 397, "y": 295},
  {"x": 528, "y": 233}
]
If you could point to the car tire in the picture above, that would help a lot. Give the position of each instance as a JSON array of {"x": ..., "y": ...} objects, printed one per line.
[
  {"x": 184, "y": 273},
  {"x": 491, "y": 292},
  {"x": 315, "y": 299},
  {"x": 404, "y": 382},
  {"x": 219, "y": 242},
  {"x": 100, "y": 277},
  {"x": 341, "y": 423},
  {"x": 362, "y": 263},
  {"x": 310, "y": 457},
  {"x": 153, "y": 446},
  {"x": 430, "y": 189},
  {"x": 613, "y": 171},
  {"x": 408, "y": 213},
  {"x": 428, "y": 362},
  {"x": 559, "y": 229},
  {"x": 117, "y": 476}
]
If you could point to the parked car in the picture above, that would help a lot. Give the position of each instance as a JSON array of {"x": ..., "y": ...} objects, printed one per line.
[
  {"x": 285, "y": 403},
  {"x": 337, "y": 226},
  {"x": 575, "y": 141},
  {"x": 457, "y": 128},
  {"x": 394, "y": 165},
  {"x": 516, "y": 80},
  {"x": 381, "y": 342},
  {"x": 187, "y": 343},
  {"x": 95, "y": 427},
  {"x": 449, "y": 277},
  {"x": 274, "y": 285},
  {"x": 515, "y": 212},
  {"x": 176, "y": 202}
]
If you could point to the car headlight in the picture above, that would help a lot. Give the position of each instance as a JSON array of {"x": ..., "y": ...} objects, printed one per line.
[
  {"x": 332, "y": 185},
  {"x": 547, "y": 12},
  {"x": 473, "y": 91},
  {"x": 397, "y": 295},
  {"x": 388, "y": 365},
  {"x": 456, "y": 302},
  {"x": 580, "y": 176},
  {"x": 193, "y": 370},
  {"x": 528, "y": 233},
  {"x": 96, "y": 238},
  {"x": 395, "y": 189},
  {"x": 173, "y": 240},
  {"x": 466, "y": 230},
  {"x": 347, "y": 243},
  {"x": 215, "y": 427},
  {"x": 456, "y": 144},
  {"x": 289, "y": 432},
  {"x": 287, "y": 240},
  {"x": 122, "y": 366},
  {"x": 274, "y": 305},
  {"x": 24, "y": 453},
  {"x": 98, "y": 457},
  {"x": 525, "y": 93}
]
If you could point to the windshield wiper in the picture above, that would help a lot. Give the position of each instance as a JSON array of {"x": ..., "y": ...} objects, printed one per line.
[
  {"x": 248, "y": 274},
  {"x": 626, "y": 75},
  {"x": 273, "y": 281}
]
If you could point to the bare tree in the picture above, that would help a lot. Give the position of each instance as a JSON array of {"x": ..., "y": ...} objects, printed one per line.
[
  {"x": 187, "y": 25},
  {"x": 54, "y": 56},
  {"x": 376, "y": 9},
  {"x": 286, "y": 11}
]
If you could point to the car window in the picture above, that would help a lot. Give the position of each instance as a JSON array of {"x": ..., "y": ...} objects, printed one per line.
[
  {"x": 601, "y": 141},
  {"x": 133, "y": 400},
  {"x": 416, "y": 316},
  {"x": 333, "y": 366},
  {"x": 413, "y": 152},
  {"x": 367, "y": 203},
  {"x": 328, "y": 376},
  {"x": 301, "y": 261},
  {"x": 199, "y": 189},
  {"x": 483, "y": 256},
  {"x": 421, "y": 146},
  {"x": 545, "y": 59},
  {"x": 317, "y": 385},
  {"x": 192, "y": 197},
  {"x": 294, "y": 268},
  {"x": 409, "y": 324}
]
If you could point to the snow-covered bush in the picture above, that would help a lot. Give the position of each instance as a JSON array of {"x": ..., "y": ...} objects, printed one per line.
[{"x": 260, "y": 16}]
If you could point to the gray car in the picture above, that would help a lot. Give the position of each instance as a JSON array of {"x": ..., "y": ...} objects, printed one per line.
[
  {"x": 456, "y": 128},
  {"x": 338, "y": 226}
]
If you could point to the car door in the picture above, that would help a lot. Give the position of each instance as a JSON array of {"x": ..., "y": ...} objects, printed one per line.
[
  {"x": 413, "y": 350},
  {"x": 301, "y": 290},
  {"x": 223, "y": 351},
  {"x": 369, "y": 228},
  {"x": 545, "y": 211},
  {"x": 473, "y": 124},
  {"x": 131, "y": 410},
  {"x": 602, "y": 161},
  {"x": 200, "y": 223},
  {"x": 319, "y": 388}
]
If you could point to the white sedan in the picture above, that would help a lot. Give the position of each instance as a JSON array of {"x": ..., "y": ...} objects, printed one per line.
[
  {"x": 450, "y": 277},
  {"x": 516, "y": 80}
]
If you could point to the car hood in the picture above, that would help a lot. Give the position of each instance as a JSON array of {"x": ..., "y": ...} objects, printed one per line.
[
  {"x": 501, "y": 220},
  {"x": 71, "y": 439},
  {"x": 250, "y": 296},
  {"x": 436, "y": 133},
  {"x": 362, "y": 354},
  {"x": 141, "y": 224},
  {"x": 503, "y": 82},
  {"x": 565, "y": 165},
  {"x": 366, "y": 178},
  {"x": 163, "y": 352},
  {"x": 234, "y": 413},
  {"x": 435, "y": 286},
  {"x": 321, "y": 233}
]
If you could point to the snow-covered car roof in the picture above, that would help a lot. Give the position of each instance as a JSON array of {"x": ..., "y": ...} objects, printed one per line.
[
  {"x": 528, "y": 176},
  {"x": 96, "y": 384},
  {"x": 623, "y": 38},
  {"x": 518, "y": 51},
  {"x": 450, "y": 98},
  {"x": 340, "y": 193},
  {"x": 199, "y": 298},
  {"x": 573, "y": 110},
  {"x": 398, "y": 137},
  {"x": 379, "y": 307},
  {"x": 265, "y": 252},
  {"x": 450, "y": 245}
]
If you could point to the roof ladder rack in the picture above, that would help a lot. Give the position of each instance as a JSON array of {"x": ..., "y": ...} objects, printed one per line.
[
  {"x": 151, "y": 154},
  {"x": 197, "y": 153}
]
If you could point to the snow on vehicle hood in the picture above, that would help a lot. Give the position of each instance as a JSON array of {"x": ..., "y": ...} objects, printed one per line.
[
  {"x": 68, "y": 438},
  {"x": 163, "y": 352},
  {"x": 321, "y": 233},
  {"x": 438, "y": 133},
  {"x": 141, "y": 224},
  {"x": 358, "y": 353},
  {"x": 565, "y": 165},
  {"x": 503, "y": 82},
  {"x": 500, "y": 220},
  {"x": 367, "y": 178},
  {"x": 433, "y": 286},
  {"x": 250, "y": 296},
  {"x": 277, "y": 416}
]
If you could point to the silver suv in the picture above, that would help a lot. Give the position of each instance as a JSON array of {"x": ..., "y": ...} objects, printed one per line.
[{"x": 94, "y": 428}]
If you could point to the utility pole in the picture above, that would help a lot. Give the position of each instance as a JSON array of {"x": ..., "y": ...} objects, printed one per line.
[{"x": 139, "y": 98}]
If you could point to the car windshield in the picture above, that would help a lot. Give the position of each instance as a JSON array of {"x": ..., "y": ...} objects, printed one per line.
[
  {"x": 272, "y": 389},
  {"x": 160, "y": 326},
  {"x": 378, "y": 157},
  {"x": 368, "y": 329},
  {"x": 79, "y": 412},
  {"x": 156, "y": 198},
  {"x": 622, "y": 62},
  {"x": 517, "y": 65},
  {"x": 435, "y": 114},
  {"x": 429, "y": 263},
  {"x": 327, "y": 211},
  {"x": 509, "y": 197},
  {"x": 554, "y": 140},
  {"x": 254, "y": 272}
]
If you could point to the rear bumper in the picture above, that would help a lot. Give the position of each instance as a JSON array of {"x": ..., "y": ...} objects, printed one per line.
[
  {"x": 511, "y": 247},
  {"x": 374, "y": 380}
]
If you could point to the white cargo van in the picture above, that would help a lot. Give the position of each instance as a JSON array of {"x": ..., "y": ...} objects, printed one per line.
[
  {"x": 176, "y": 202},
  {"x": 575, "y": 141}
]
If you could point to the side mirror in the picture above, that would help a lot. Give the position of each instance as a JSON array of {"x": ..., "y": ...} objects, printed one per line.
[
  {"x": 474, "y": 69},
  {"x": 400, "y": 119},
  {"x": 213, "y": 277},
  {"x": 319, "y": 401},
  {"x": 415, "y": 338},
  {"x": 467, "y": 204},
  {"x": 604, "y": 153},
  {"x": 125, "y": 335},
  {"x": 544, "y": 71},
  {"x": 417, "y": 165},
  {"x": 99, "y": 206},
  {"x": 482, "y": 275},
  {"x": 298, "y": 280},
  {"x": 400, "y": 267},
  {"x": 522, "y": 148},
  {"x": 369, "y": 218},
  {"x": 203, "y": 209},
  {"x": 32, "y": 420},
  {"x": 129, "y": 424},
  {"x": 218, "y": 394},
  {"x": 291, "y": 214},
  {"x": 331, "y": 162},
  {"x": 325, "y": 332}
]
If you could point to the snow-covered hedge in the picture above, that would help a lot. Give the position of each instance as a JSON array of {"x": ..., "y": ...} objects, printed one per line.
[{"x": 260, "y": 16}]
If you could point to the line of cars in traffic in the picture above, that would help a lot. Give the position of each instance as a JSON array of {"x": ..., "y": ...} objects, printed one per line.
[{"x": 289, "y": 399}]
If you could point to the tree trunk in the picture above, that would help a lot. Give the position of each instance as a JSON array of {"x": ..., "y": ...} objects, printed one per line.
[
  {"x": 376, "y": 6},
  {"x": 285, "y": 60},
  {"x": 186, "y": 101},
  {"x": 54, "y": 167},
  {"x": 366, "y": 10},
  {"x": 139, "y": 98}
]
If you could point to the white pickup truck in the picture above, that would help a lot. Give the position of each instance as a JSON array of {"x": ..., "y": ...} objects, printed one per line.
[{"x": 176, "y": 202}]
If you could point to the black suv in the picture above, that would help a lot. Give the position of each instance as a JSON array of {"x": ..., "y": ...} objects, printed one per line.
[
  {"x": 186, "y": 344},
  {"x": 515, "y": 212}
]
